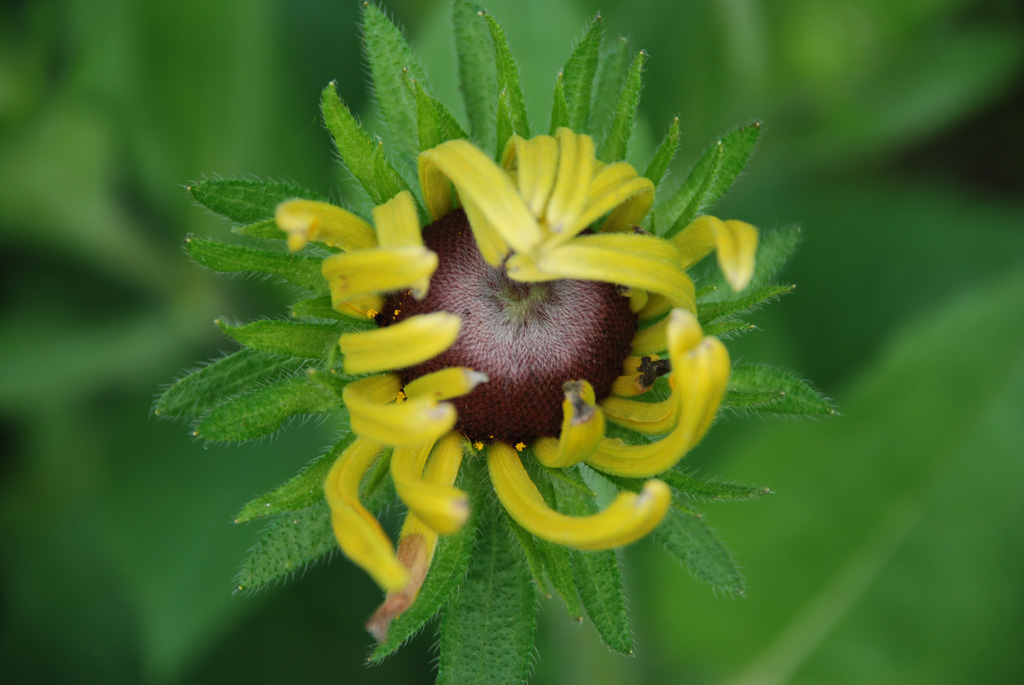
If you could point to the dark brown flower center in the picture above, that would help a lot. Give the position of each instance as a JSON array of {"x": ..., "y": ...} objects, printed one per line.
[{"x": 529, "y": 338}]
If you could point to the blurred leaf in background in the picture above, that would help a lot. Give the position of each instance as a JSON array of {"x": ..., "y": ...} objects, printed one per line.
[{"x": 892, "y": 135}]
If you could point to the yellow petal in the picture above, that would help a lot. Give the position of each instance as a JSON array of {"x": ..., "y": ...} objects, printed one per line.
[
  {"x": 397, "y": 223},
  {"x": 582, "y": 428},
  {"x": 359, "y": 534},
  {"x": 378, "y": 270},
  {"x": 305, "y": 220},
  {"x": 618, "y": 187},
  {"x": 657, "y": 305},
  {"x": 639, "y": 374},
  {"x": 491, "y": 200},
  {"x": 535, "y": 161},
  {"x": 651, "y": 339},
  {"x": 735, "y": 242},
  {"x": 569, "y": 195},
  {"x": 399, "y": 345},
  {"x": 445, "y": 384},
  {"x": 649, "y": 418},
  {"x": 361, "y": 307},
  {"x": 442, "y": 508},
  {"x": 625, "y": 520},
  {"x": 408, "y": 423}
]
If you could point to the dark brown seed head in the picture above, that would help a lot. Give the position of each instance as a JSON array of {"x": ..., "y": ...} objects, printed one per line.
[{"x": 529, "y": 338}]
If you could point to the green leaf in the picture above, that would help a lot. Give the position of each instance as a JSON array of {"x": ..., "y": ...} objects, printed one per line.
[
  {"x": 434, "y": 121},
  {"x": 558, "y": 567},
  {"x": 247, "y": 201},
  {"x": 709, "y": 312},
  {"x": 687, "y": 539},
  {"x": 392, "y": 62},
  {"x": 611, "y": 72},
  {"x": 709, "y": 489},
  {"x": 292, "y": 338},
  {"x": 262, "y": 411},
  {"x": 531, "y": 551},
  {"x": 321, "y": 308},
  {"x": 504, "y": 128},
  {"x": 487, "y": 629},
  {"x": 774, "y": 249},
  {"x": 363, "y": 157},
  {"x": 206, "y": 387},
  {"x": 728, "y": 328},
  {"x": 265, "y": 230},
  {"x": 478, "y": 79},
  {"x": 299, "y": 270},
  {"x": 446, "y": 575},
  {"x": 289, "y": 544},
  {"x": 768, "y": 390},
  {"x": 578, "y": 74},
  {"x": 709, "y": 179},
  {"x": 617, "y": 141},
  {"x": 597, "y": 574},
  {"x": 508, "y": 80},
  {"x": 663, "y": 156},
  {"x": 302, "y": 490},
  {"x": 559, "y": 107}
]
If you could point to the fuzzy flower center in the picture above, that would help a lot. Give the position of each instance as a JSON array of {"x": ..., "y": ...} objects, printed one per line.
[{"x": 529, "y": 338}]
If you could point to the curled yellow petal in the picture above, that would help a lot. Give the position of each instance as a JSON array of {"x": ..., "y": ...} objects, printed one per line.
[
  {"x": 651, "y": 339},
  {"x": 639, "y": 374},
  {"x": 397, "y": 223},
  {"x": 445, "y": 384},
  {"x": 576, "y": 162},
  {"x": 442, "y": 508},
  {"x": 649, "y": 418},
  {"x": 361, "y": 307},
  {"x": 378, "y": 270},
  {"x": 417, "y": 542},
  {"x": 359, "y": 534},
  {"x": 657, "y": 305},
  {"x": 490, "y": 198},
  {"x": 618, "y": 187},
  {"x": 535, "y": 162},
  {"x": 307, "y": 220},
  {"x": 625, "y": 520},
  {"x": 373, "y": 414},
  {"x": 582, "y": 428},
  {"x": 399, "y": 345},
  {"x": 734, "y": 241}
]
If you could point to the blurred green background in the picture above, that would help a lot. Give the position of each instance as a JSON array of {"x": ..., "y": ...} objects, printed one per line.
[{"x": 891, "y": 552}]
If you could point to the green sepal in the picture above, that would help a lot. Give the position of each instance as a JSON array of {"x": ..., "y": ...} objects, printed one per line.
[
  {"x": 246, "y": 201},
  {"x": 531, "y": 552},
  {"x": 504, "y": 128},
  {"x": 727, "y": 329},
  {"x": 289, "y": 544},
  {"x": 559, "y": 107},
  {"x": 203, "y": 389},
  {"x": 765, "y": 389},
  {"x": 578, "y": 76},
  {"x": 299, "y": 270},
  {"x": 487, "y": 629},
  {"x": 263, "y": 410},
  {"x": 302, "y": 490},
  {"x": 617, "y": 141},
  {"x": 264, "y": 230},
  {"x": 709, "y": 312},
  {"x": 478, "y": 79},
  {"x": 321, "y": 308},
  {"x": 611, "y": 72},
  {"x": 446, "y": 575},
  {"x": 597, "y": 574},
  {"x": 392, "y": 63},
  {"x": 709, "y": 490},
  {"x": 708, "y": 180},
  {"x": 508, "y": 80},
  {"x": 362, "y": 156},
  {"x": 658, "y": 166},
  {"x": 688, "y": 539},
  {"x": 435, "y": 123},
  {"x": 292, "y": 338}
]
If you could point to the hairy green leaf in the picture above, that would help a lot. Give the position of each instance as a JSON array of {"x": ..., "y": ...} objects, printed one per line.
[
  {"x": 531, "y": 551},
  {"x": 658, "y": 166},
  {"x": 559, "y": 107},
  {"x": 617, "y": 141},
  {"x": 247, "y": 201},
  {"x": 578, "y": 75},
  {"x": 264, "y": 230},
  {"x": 478, "y": 80},
  {"x": 299, "y": 270},
  {"x": 728, "y": 328},
  {"x": 435, "y": 123},
  {"x": 505, "y": 128},
  {"x": 709, "y": 179},
  {"x": 292, "y": 338},
  {"x": 687, "y": 539},
  {"x": 710, "y": 489},
  {"x": 262, "y": 411},
  {"x": 611, "y": 72},
  {"x": 508, "y": 80},
  {"x": 709, "y": 312},
  {"x": 206, "y": 387},
  {"x": 558, "y": 567},
  {"x": 321, "y": 308},
  {"x": 392, "y": 62},
  {"x": 766, "y": 389},
  {"x": 363, "y": 157},
  {"x": 487, "y": 629},
  {"x": 290, "y": 543}
]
